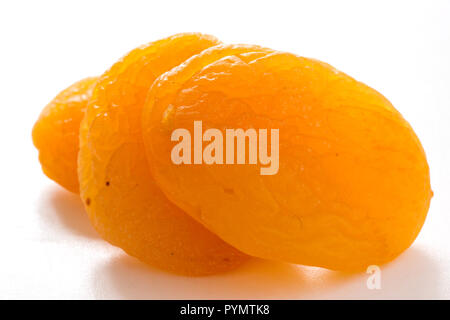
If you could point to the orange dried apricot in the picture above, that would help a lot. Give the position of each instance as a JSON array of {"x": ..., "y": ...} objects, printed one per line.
[
  {"x": 121, "y": 198},
  {"x": 55, "y": 133},
  {"x": 352, "y": 187}
]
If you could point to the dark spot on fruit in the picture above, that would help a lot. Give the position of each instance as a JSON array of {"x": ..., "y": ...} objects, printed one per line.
[
  {"x": 88, "y": 201},
  {"x": 228, "y": 190},
  {"x": 107, "y": 183}
]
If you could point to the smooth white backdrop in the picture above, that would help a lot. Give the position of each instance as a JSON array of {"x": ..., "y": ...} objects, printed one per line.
[{"x": 48, "y": 248}]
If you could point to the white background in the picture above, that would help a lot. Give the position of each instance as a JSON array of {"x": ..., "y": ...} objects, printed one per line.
[{"x": 48, "y": 248}]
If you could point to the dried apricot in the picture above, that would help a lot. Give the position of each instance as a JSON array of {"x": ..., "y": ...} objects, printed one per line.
[
  {"x": 122, "y": 200},
  {"x": 352, "y": 188},
  {"x": 55, "y": 133}
]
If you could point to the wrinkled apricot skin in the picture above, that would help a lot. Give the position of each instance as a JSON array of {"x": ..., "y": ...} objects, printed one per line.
[
  {"x": 353, "y": 185},
  {"x": 122, "y": 200},
  {"x": 55, "y": 133}
]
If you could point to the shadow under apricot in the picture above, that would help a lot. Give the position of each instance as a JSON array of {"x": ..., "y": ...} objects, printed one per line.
[
  {"x": 66, "y": 209},
  {"x": 414, "y": 275},
  {"x": 127, "y": 278}
]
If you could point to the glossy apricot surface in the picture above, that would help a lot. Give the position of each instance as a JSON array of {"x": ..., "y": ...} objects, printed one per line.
[
  {"x": 122, "y": 200},
  {"x": 353, "y": 186},
  {"x": 55, "y": 133}
]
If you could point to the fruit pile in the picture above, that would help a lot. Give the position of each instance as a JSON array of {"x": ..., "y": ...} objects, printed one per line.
[{"x": 352, "y": 188}]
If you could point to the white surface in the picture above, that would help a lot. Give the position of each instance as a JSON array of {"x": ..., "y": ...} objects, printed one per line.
[{"x": 49, "y": 250}]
